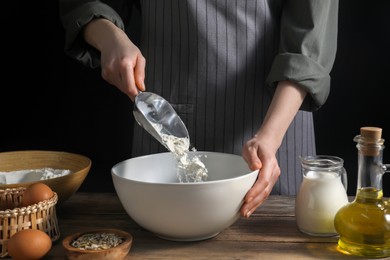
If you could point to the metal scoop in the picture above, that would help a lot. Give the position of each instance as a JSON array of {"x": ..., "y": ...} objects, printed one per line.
[{"x": 157, "y": 116}]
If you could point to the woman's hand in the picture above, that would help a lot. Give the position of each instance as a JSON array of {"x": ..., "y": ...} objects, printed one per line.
[
  {"x": 260, "y": 151},
  {"x": 123, "y": 64}
]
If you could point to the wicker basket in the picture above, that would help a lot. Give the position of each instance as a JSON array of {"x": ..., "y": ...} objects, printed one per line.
[{"x": 40, "y": 216}]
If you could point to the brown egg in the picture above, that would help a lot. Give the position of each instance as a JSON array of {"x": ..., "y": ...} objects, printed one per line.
[
  {"x": 35, "y": 193},
  {"x": 29, "y": 244}
]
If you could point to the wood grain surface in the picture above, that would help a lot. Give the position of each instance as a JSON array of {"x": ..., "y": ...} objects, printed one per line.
[{"x": 270, "y": 233}]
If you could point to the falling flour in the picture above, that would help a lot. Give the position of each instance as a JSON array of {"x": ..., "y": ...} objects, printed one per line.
[{"x": 191, "y": 168}]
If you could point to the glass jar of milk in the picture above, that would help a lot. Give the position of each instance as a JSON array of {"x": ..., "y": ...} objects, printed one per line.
[{"x": 321, "y": 194}]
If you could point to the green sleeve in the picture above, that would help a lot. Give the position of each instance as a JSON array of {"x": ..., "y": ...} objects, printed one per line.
[
  {"x": 307, "y": 50},
  {"x": 74, "y": 15}
]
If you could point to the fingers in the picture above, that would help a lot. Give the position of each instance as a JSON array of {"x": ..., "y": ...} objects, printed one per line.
[
  {"x": 133, "y": 76},
  {"x": 139, "y": 73},
  {"x": 255, "y": 197},
  {"x": 108, "y": 75},
  {"x": 127, "y": 83},
  {"x": 251, "y": 157},
  {"x": 127, "y": 75},
  {"x": 253, "y": 160},
  {"x": 262, "y": 188}
]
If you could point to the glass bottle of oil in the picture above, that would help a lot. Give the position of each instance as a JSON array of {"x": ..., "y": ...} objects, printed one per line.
[{"x": 364, "y": 224}]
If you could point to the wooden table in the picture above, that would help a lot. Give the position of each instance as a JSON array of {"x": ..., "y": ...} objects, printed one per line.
[{"x": 270, "y": 233}]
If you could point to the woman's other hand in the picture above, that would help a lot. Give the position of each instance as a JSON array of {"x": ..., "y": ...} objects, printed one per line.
[{"x": 260, "y": 151}]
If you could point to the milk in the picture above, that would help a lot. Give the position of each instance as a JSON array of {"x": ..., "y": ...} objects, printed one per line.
[{"x": 320, "y": 196}]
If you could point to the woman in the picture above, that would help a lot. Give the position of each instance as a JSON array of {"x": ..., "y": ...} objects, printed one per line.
[{"x": 243, "y": 75}]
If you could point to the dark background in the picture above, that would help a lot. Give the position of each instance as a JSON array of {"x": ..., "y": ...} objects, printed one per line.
[{"x": 48, "y": 101}]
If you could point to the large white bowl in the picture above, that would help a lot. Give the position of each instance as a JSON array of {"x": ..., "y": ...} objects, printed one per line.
[{"x": 149, "y": 191}]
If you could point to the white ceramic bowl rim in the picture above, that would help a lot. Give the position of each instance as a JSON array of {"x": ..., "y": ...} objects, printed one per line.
[{"x": 207, "y": 182}]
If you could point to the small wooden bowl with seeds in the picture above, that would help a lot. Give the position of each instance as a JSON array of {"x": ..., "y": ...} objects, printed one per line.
[{"x": 98, "y": 245}]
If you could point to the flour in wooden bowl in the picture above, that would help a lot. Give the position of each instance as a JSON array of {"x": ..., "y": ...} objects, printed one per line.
[{"x": 31, "y": 175}]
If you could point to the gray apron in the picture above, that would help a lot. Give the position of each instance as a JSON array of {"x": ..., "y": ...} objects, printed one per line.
[{"x": 210, "y": 59}]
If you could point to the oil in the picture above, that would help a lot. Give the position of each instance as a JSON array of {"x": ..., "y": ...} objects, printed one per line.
[{"x": 364, "y": 224}]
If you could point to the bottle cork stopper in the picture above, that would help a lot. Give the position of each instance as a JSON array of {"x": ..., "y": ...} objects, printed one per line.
[
  {"x": 372, "y": 136},
  {"x": 371, "y": 133}
]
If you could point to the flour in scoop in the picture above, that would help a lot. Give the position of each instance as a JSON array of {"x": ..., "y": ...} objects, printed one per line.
[{"x": 191, "y": 168}]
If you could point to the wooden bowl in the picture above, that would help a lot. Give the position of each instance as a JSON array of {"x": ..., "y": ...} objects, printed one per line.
[
  {"x": 65, "y": 186},
  {"x": 118, "y": 252}
]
